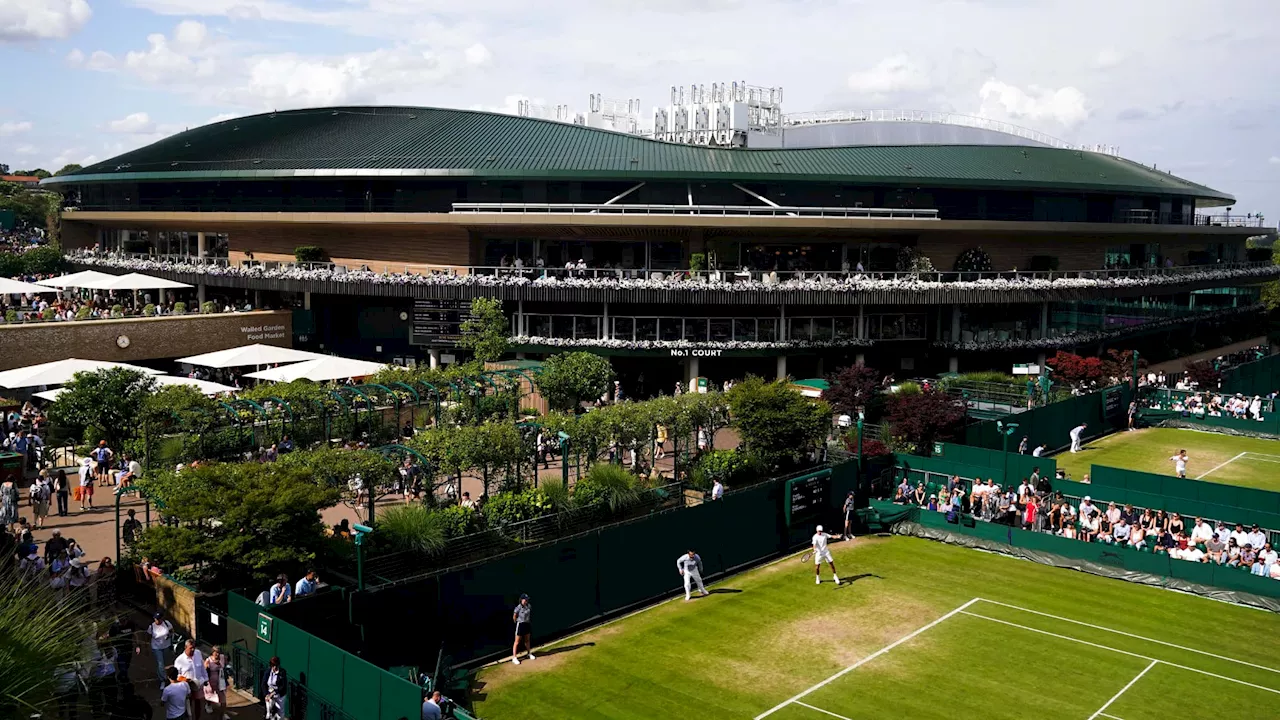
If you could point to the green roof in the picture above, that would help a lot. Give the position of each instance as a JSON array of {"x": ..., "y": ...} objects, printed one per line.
[
  {"x": 815, "y": 383},
  {"x": 434, "y": 142}
]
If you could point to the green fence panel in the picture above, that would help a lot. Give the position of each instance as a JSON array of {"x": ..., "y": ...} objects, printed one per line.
[
  {"x": 1147, "y": 562},
  {"x": 397, "y": 695},
  {"x": 360, "y": 684},
  {"x": 1198, "y": 573},
  {"x": 325, "y": 671},
  {"x": 293, "y": 647}
]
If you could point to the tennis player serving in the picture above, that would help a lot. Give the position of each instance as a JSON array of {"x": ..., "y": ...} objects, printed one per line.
[{"x": 820, "y": 553}]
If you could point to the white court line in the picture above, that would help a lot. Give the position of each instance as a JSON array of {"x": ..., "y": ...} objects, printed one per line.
[
  {"x": 863, "y": 661},
  {"x": 1262, "y": 456},
  {"x": 1123, "y": 689},
  {"x": 1113, "y": 717},
  {"x": 824, "y": 712},
  {"x": 1215, "y": 467},
  {"x": 1126, "y": 652},
  {"x": 1136, "y": 637}
]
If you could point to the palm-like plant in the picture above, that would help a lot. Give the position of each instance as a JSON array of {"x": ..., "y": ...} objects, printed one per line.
[
  {"x": 40, "y": 632},
  {"x": 607, "y": 484},
  {"x": 412, "y": 527}
]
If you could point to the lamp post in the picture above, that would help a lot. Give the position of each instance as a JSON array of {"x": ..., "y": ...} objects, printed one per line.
[{"x": 361, "y": 532}]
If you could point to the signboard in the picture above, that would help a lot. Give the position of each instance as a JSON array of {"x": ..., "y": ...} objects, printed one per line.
[
  {"x": 808, "y": 496},
  {"x": 1026, "y": 369},
  {"x": 1112, "y": 400},
  {"x": 937, "y": 449},
  {"x": 438, "y": 323},
  {"x": 265, "y": 623}
]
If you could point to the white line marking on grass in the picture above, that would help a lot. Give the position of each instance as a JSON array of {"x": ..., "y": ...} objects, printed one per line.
[
  {"x": 1221, "y": 465},
  {"x": 1113, "y": 717},
  {"x": 1123, "y": 689},
  {"x": 1131, "y": 654},
  {"x": 1262, "y": 456},
  {"x": 864, "y": 660},
  {"x": 825, "y": 712},
  {"x": 1136, "y": 637}
]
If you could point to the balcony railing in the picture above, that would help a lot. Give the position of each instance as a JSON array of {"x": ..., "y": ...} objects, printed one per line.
[{"x": 779, "y": 211}]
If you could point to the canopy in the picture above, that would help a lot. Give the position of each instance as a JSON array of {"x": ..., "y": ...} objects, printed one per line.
[
  {"x": 258, "y": 354},
  {"x": 132, "y": 281},
  {"x": 322, "y": 369},
  {"x": 60, "y": 372},
  {"x": 204, "y": 386},
  {"x": 18, "y": 287},
  {"x": 74, "y": 279}
]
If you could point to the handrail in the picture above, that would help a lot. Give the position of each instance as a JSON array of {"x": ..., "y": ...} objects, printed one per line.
[{"x": 713, "y": 210}]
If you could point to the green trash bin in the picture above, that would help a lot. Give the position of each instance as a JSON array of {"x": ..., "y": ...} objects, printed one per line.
[{"x": 11, "y": 466}]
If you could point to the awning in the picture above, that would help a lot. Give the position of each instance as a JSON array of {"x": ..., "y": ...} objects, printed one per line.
[
  {"x": 60, "y": 372},
  {"x": 132, "y": 281},
  {"x": 18, "y": 287},
  {"x": 204, "y": 386},
  {"x": 320, "y": 370},
  {"x": 250, "y": 355},
  {"x": 74, "y": 279}
]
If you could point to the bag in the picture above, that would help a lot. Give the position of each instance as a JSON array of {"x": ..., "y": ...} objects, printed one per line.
[
  {"x": 77, "y": 493},
  {"x": 210, "y": 695}
]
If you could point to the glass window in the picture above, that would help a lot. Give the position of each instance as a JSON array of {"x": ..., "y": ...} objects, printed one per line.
[
  {"x": 744, "y": 330},
  {"x": 914, "y": 327},
  {"x": 846, "y": 328},
  {"x": 671, "y": 329},
  {"x": 586, "y": 327},
  {"x": 647, "y": 329},
  {"x": 721, "y": 329},
  {"x": 767, "y": 330},
  {"x": 822, "y": 329},
  {"x": 562, "y": 326},
  {"x": 695, "y": 329},
  {"x": 666, "y": 256},
  {"x": 539, "y": 325},
  {"x": 799, "y": 328},
  {"x": 623, "y": 328}
]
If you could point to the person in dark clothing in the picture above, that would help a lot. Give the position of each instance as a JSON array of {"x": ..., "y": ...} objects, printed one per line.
[{"x": 61, "y": 491}]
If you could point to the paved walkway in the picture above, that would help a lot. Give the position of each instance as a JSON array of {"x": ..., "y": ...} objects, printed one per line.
[{"x": 1178, "y": 365}]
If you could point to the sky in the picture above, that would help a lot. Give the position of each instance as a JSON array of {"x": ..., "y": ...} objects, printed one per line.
[{"x": 1185, "y": 85}]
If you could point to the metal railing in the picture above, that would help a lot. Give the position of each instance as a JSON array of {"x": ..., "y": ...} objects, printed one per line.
[
  {"x": 713, "y": 210},
  {"x": 827, "y": 117}
]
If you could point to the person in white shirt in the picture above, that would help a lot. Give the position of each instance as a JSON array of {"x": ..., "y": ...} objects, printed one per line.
[
  {"x": 717, "y": 490},
  {"x": 159, "y": 630},
  {"x": 1180, "y": 463},
  {"x": 1076, "y": 433},
  {"x": 1201, "y": 533},
  {"x": 1113, "y": 513},
  {"x": 1194, "y": 554},
  {"x": 1039, "y": 451},
  {"x": 1240, "y": 536},
  {"x": 1257, "y": 538},
  {"x": 820, "y": 553},
  {"x": 174, "y": 696},
  {"x": 1087, "y": 508},
  {"x": 190, "y": 665},
  {"x": 689, "y": 566}
]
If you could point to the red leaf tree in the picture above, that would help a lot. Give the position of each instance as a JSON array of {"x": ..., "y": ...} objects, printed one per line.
[
  {"x": 926, "y": 417},
  {"x": 1119, "y": 364},
  {"x": 1203, "y": 374},
  {"x": 852, "y": 387},
  {"x": 1074, "y": 369}
]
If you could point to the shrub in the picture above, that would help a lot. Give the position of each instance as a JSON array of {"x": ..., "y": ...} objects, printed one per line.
[
  {"x": 870, "y": 447},
  {"x": 11, "y": 265},
  {"x": 11, "y": 316},
  {"x": 117, "y": 311},
  {"x": 557, "y": 494},
  {"x": 530, "y": 412},
  {"x": 149, "y": 309},
  {"x": 47, "y": 314},
  {"x": 42, "y": 261},
  {"x": 412, "y": 527},
  {"x": 728, "y": 466},
  {"x": 179, "y": 307},
  {"x": 1042, "y": 263},
  {"x": 910, "y": 259},
  {"x": 84, "y": 313},
  {"x": 909, "y": 387},
  {"x": 310, "y": 253},
  {"x": 974, "y": 259},
  {"x": 607, "y": 484},
  {"x": 513, "y": 507},
  {"x": 456, "y": 521},
  {"x": 207, "y": 307},
  {"x": 697, "y": 262}
]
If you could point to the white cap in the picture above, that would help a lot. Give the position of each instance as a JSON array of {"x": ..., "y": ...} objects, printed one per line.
[
  {"x": 1086, "y": 497},
  {"x": 819, "y": 528}
]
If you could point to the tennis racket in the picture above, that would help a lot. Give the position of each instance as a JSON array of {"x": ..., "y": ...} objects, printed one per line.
[{"x": 807, "y": 556}]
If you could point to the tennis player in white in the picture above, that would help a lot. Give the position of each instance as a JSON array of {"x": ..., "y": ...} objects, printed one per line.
[
  {"x": 1180, "y": 463},
  {"x": 690, "y": 568},
  {"x": 1075, "y": 433},
  {"x": 820, "y": 553}
]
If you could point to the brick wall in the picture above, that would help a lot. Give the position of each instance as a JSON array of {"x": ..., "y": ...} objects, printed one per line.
[
  {"x": 374, "y": 245},
  {"x": 149, "y": 338}
]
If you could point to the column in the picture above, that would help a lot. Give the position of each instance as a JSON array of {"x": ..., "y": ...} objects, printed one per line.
[
  {"x": 860, "y": 359},
  {"x": 201, "y": 249},
  {"x": 257, "y": 299},
  {"x": 782, "y": 367},
  {"x": 434, "y": 356},
  {"x": 199, "y": 295},
  {"x": 953, "y": 364},
  {"x": 690, "y": 369},
  {"x": 1044, "y": 320},
  {"x": 606, "y": 332},
  {"x": 306, "y": 299}
]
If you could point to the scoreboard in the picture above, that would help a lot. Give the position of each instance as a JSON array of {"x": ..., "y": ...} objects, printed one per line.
[
  {"x": 808, "y": 496},
  {"x": 438, "y": 323}
]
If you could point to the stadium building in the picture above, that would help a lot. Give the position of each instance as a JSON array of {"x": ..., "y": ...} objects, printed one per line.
[{"x": 728, "y": 238}]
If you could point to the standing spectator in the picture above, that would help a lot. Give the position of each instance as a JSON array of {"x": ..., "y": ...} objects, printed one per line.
[
  {"x": 61, "y": 491},
  {"x": 56, "y": 546},
  {"x": 190, "y": 664},
  {"x": 174, "y": 696},
  {"x": 1133, "y": 414},
  {"x": 277, "y": 689},
  {"x": 431, "y": 707},
  {"x": 159, "y": 631},
  {"x": 307, "y": 585},
  {"x": 1029, "y": 514},
  {"x": 1076, "y": 433},
  {"x": 130, "y": 528},
  {"x": 102, "y": 462},
  {"x": 1039, "y": 451},
  {"x": 8, "y": 504},
  {"x": 86, "y": 489},
  {"x": 848, "y": 514},
  {"x": 1022, "y": 446},
  {"x": 467, "y": 502},
  {"x": 215, "y": 668},
  {"x": 521, "y": 616},
  {"x": 41, "y": 494},
  {"x": 717, "y": 490}
]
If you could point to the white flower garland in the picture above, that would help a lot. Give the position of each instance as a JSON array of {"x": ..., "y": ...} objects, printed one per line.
[{"x": 613, "y": 344}]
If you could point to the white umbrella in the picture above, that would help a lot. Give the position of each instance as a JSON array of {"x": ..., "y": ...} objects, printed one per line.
[
  {"x": 323, "y": 369},
  {"x": 60, "y": 372},
  {"x": 250, "y": 355},
  {"x": 132, "y": 281},
  {"x": 74, "y": 279},
  {"x": 204, "y": 386},
  {"x": 18, "y": 287}
]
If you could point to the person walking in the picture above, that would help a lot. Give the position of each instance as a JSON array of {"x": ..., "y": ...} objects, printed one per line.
[
  {"x": 174, "y": 696},
  {"x": 848, "y": 514},
  {"x": 277, "y": 684},
  {"x": 8, "y": 504},
  {"x": 1076, "y": 433},
  {"x": 159, "y": 631},
  {"x": 215, "y": 667},
  {"x": 521, "y": 616},
  {"x": 689, "y": 566},
  {"x": 61, "y": 491},
  {"x": 86, "y": 489},
  {"x": 41, "y": 494},
  {"x": 190, "y": 664}
]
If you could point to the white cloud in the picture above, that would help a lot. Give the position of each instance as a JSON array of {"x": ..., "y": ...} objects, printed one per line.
[
  {"x": 13, "y": 128},
  {"x": 1274, "y": 160},
  {"x": 477, "y": 54},
  {"x": 75, "y": 58},
  {"x": 26, "y": 149},
  {"x": 27, "y": 20},
  {"x": 289, "y": 80},
  {"x": 221, "y": 117},
  {"x": 133, "y": 124},
  {"x": 69, "y": 156},
  {"x": 894, "y": 74},
  {"x": 1066, "y": 106},
  {"x": 101, "y": 61},
  {"x": 1107, "y": 58},
  {"x": 182, "y": 57}
]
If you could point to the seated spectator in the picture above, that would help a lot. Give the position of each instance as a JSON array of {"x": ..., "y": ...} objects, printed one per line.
[
  {"x": 1113, "y": 513},
  {"x": 1233, "y": 553},
  {"x": 1088, "y": 526},
  {"x": 1087, "y": 508},
  {"x": 933, "y": 502},
  {"x": 919, "y": 496},
  {"x": 1268, "y": 556},
  {"x": 1257, "y": 538},
  {"x": 1120, "y": 532},
  {"x": 1222, "y": 532},
  {"x": 1176, "y": 525},
  {"x": 1137, "y": 536},
  {"x": 1069, "y": 530},
  {"x": 1194, "y": 554},
  {"x": 1104, "y": 530},
  {"x": 1181, "y": 545},
  {"x": 1165, "y": 542},
  {"x": 1201, "y": 532},
  {"x": 1217, "y": 549},
  {"x": 1240, "y": 536},
  {"x": 1248, "y": 556}
]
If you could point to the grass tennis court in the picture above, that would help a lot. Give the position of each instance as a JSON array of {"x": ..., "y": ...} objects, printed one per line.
[
  {"x": 919, "y": 629},
  {"x": 1228, "y": 459}
]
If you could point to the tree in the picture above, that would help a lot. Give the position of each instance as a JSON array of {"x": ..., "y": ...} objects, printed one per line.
[
  {"x": 4, "y": 168},
  {"x": 1074, "y": 369},
  {"x": 41, "y": 631},
  {"x": 851, "y": 388},
  {"x": 926, "y": 417},
  {"x": 1204, "y": 374},
  {"x": 567, "y": 379},
  {"x": 486, "y": 333},
  {"x": 42, "y": 261},
  {"x": 68, "y": 169},
  {"x": 236, "y": 525},
  {"x": 775, "y": 422},
  {"x": 103, "y": 405},
  {"x": 1119, "y": 364},
  {"x": 37, "y": 172}
]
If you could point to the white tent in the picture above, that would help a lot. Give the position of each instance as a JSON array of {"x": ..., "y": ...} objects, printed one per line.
[
  {"x": 204, "y": 386},
  {"x": 74, "y": 279},
  {"x": 250, "y": 355},
  {"x": 18, "y": 287},
  {"x": 59, "y": 372},
  {"x": 322, "y": 369},
  {"x": 132, "y": 281}
]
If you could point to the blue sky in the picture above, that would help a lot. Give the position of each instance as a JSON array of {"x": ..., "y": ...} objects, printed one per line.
[{"x": 1185, "y": 84}]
